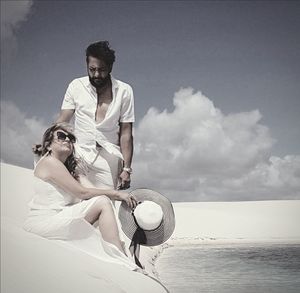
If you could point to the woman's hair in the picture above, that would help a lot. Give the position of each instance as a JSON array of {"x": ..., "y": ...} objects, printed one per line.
[{"x": 71, "y": 162}]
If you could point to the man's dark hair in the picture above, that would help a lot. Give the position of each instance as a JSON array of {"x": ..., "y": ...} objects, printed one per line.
[{"x": 101, "y": 50}]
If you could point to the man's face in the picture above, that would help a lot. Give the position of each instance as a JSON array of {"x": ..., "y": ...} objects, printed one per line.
[{"x": 98, "y": 72}]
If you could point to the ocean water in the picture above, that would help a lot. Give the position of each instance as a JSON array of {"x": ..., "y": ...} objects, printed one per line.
[{"x": 235, "y": 268}]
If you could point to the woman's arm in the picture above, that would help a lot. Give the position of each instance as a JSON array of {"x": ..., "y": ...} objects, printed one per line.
[{"x": 55, "y": 171}]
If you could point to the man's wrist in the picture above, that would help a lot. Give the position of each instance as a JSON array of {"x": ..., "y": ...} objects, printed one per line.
[{"x": 128, "y": 170}]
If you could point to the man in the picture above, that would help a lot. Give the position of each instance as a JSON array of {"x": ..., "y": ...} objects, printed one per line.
[{"x": 103, "y": 108}]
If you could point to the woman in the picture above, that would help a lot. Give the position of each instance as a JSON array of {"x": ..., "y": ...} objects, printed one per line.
[{"x": 62, "y": 208}]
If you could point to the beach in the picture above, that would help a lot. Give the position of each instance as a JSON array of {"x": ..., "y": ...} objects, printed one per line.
[
  {"x": 236, "y": 247},
  {"x": 30, "y": 263},
  {"x": 33, "y": 264},
  {"x": 245, "y": 222}
]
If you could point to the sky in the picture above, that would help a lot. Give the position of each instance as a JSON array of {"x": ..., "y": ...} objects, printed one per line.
[{"x": 216, "y": 87}]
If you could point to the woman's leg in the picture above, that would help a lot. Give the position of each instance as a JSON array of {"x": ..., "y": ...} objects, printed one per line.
[{"x": 102, "y": 210}]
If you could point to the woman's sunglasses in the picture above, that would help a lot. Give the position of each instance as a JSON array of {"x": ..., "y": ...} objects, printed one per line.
[{"x": 62, "y": 136}]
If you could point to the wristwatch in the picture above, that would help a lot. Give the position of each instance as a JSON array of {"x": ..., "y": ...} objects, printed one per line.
[{"x": 128, "y": 170}]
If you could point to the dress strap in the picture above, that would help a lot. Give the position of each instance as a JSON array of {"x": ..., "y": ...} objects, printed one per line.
[{"x": 38, "y": 159}]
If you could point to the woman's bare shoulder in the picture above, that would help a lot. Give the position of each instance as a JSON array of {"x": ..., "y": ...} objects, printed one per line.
[{"x": 46, "y": 167}]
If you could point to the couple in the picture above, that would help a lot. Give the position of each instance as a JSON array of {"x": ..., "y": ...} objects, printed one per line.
[{"x": 76, "y": 183}]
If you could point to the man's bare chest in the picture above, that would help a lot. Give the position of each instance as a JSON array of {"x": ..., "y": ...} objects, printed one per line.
[{"x": 103, "y": 104}]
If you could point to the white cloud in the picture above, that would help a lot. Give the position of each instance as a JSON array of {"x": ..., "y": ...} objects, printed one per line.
[
  {"x": 198, "y": 153},
  {"x": 18, "y": 134},
  {"x": 13, "y": 15},
  {"x": 193, "y": 153},
  {"x": 278, "y": 178}
]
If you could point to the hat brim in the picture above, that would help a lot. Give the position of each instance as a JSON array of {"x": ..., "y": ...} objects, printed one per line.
[{"x": 161, "y": 233}]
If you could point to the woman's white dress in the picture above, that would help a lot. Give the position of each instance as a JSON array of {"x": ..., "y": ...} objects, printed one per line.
[{"x": 55, "y": 214}]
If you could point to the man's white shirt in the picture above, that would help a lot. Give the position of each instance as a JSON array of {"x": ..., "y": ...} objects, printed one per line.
[{"x": 81, "y": 96}]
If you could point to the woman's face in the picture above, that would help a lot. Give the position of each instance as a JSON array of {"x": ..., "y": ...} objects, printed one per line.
[{"x": 62, "y": 142}]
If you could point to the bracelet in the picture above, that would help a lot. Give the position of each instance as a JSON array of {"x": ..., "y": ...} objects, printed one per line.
[{"x": 128, "y": 170}]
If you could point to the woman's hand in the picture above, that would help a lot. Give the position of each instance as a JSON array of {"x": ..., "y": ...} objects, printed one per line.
[{"x": 128, "y": 198}]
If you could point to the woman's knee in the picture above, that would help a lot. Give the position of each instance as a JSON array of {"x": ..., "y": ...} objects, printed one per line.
[{"x": 103, "y": 201}]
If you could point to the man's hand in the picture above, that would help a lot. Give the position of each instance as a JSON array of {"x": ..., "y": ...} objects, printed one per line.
[
  {"x": 37, "y": 149},
  {"x": 124, "y": 180}
]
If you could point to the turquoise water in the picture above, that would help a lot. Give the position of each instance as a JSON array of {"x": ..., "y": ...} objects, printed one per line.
[{"x": 237, "y": 268}]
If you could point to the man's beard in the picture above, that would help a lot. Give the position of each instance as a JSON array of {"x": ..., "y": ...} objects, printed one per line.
[{"x": 99, "y": 83}]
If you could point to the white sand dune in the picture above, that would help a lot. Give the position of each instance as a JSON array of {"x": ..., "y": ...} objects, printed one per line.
[
  {"x": 30, "y": 263},
  {"x": 231, "y": 222},
  {"x": 256, "y": 221}
]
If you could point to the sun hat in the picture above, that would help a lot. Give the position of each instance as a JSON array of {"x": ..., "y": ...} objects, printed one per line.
[{"x": 151, "y": 223}]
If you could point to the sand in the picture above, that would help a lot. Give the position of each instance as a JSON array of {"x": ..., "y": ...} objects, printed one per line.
[
  {"x": 30, "y": 263},
  {"x": 231, "y": 222},
  {"x": 239, "y": 221}
]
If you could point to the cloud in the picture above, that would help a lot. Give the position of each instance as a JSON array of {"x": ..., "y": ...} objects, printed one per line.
[
  {"x": 193, "y": 153},
  {"x": 18, "y": 134},
  {"x": 198, "y": 153},
  {"x": 13, "y": 15}
]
